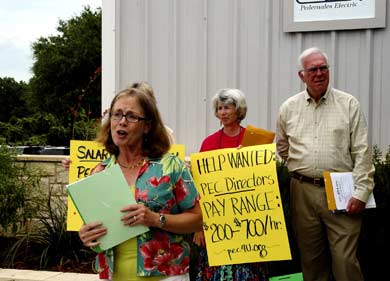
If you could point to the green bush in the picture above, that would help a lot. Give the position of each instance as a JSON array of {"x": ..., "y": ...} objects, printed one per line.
[
  {"x": 382, "y": 177},
  {"x": 85, "y": 128},
  {"x": 38, "y": 129},
  {"x": 374, "y": 233},
  {"x": 17, "y": 182},
  {"x": 49, "y": 244},
  {"x": 36, "y": 221},
  {"x": 277, "y": 268},
  {"x": 45, "y": 129}
]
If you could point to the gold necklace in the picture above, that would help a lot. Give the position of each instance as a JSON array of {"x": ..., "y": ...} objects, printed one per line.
[{"x": 136, "y": 165}]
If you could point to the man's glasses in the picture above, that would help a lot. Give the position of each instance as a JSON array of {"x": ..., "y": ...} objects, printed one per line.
[
  {"x": 313, "y": 70},
  {"x": 118, "y": 115}
]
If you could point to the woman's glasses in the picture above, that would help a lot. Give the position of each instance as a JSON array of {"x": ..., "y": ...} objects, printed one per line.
[{"x": 118, "y": 115}]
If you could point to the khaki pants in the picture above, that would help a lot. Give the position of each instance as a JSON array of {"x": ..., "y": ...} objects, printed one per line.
[{"x": 327, "y": 242}]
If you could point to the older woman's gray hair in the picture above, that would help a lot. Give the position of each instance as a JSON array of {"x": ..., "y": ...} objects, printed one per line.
[{"x": 230, "y": 97}]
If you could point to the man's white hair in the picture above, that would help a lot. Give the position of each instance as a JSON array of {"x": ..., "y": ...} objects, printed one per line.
[{"x": 308, "y": 52}]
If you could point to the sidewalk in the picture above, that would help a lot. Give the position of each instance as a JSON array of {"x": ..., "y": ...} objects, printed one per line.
[{"x": 36, "y": 275}]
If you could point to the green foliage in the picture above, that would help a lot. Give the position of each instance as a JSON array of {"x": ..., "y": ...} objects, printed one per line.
[
  {"x": 16, "y": 183},
  {"x": 284, "y": 183},
  {"x": 381, "y": 177},
  {"x": 67, "y": 70},
  {"x": 13, "y": 99},
  {"x": 36, "y": 219},
  {"x": 277, "y": 268},
  {"x": 39, "y": 129},
  {"x": 85, "y": 128},
  {"x": 49, "y": 243},
  {"x": 44, "y": 129},
  {"x": 374, "y": 232},
  {"x": 63, "y": 98}
]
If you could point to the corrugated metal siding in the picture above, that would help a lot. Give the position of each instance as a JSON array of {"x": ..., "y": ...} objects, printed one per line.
[{"x": 189, "y": 49}]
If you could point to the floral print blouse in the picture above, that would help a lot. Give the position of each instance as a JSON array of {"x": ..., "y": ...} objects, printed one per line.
[{"x": 165, "y": 185}]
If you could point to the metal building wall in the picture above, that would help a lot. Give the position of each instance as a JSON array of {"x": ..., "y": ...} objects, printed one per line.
[{"x": 187, "y": 49}]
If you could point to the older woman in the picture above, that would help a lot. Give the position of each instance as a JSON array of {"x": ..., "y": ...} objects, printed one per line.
[
  {"x": 230, "y": 108},
  {"x": 167, "y": 199}
]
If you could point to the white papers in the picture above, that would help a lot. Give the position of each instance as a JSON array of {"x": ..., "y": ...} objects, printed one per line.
[{"x": 343, "y": 188}]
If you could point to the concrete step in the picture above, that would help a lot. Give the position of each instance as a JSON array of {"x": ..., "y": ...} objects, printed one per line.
[{"x": 37, "y": 275}]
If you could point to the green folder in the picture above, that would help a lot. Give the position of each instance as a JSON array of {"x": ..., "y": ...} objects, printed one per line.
[{"x": 99, "y": 198}]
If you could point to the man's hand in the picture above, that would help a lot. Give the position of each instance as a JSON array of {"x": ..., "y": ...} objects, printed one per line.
[{"x": 355, "y": 206}]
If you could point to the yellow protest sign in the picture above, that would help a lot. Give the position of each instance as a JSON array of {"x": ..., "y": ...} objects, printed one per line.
[
  {"x": 84, "y": 156},
  {"x": 178, "y": 150},
  {"x": 243, "y": 218}
]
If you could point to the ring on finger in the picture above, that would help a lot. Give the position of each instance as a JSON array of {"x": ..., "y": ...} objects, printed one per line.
[{"x": 135, "y": 218}]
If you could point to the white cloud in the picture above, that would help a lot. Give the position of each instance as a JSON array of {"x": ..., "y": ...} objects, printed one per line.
[{"x": 22, "y": 22}]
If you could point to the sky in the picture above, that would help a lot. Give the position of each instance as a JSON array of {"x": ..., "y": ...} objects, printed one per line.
[{"x": 22, "y": 22}]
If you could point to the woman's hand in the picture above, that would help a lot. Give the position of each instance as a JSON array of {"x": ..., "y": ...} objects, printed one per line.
[
  {"x": 66, "y": 163},
  {"x": 188, "y": 164},
  {"x": 140, "y": 214},
  {"x": 88, "y": 233},
  {"x": 199, "y": 239}
]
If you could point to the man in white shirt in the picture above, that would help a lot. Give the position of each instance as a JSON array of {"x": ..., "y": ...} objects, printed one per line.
[{"x": 324, "y": 129}]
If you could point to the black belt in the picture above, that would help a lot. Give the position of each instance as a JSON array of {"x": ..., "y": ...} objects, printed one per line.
[{"x": 315, "y": 181}]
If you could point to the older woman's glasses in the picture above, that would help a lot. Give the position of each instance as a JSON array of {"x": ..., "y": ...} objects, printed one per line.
[{"x": 118, "y": 115}]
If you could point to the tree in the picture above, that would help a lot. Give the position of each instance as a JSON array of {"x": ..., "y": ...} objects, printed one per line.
[
  {"x": 66, "y": 73},
  {"x": 12, "y": 99}
]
